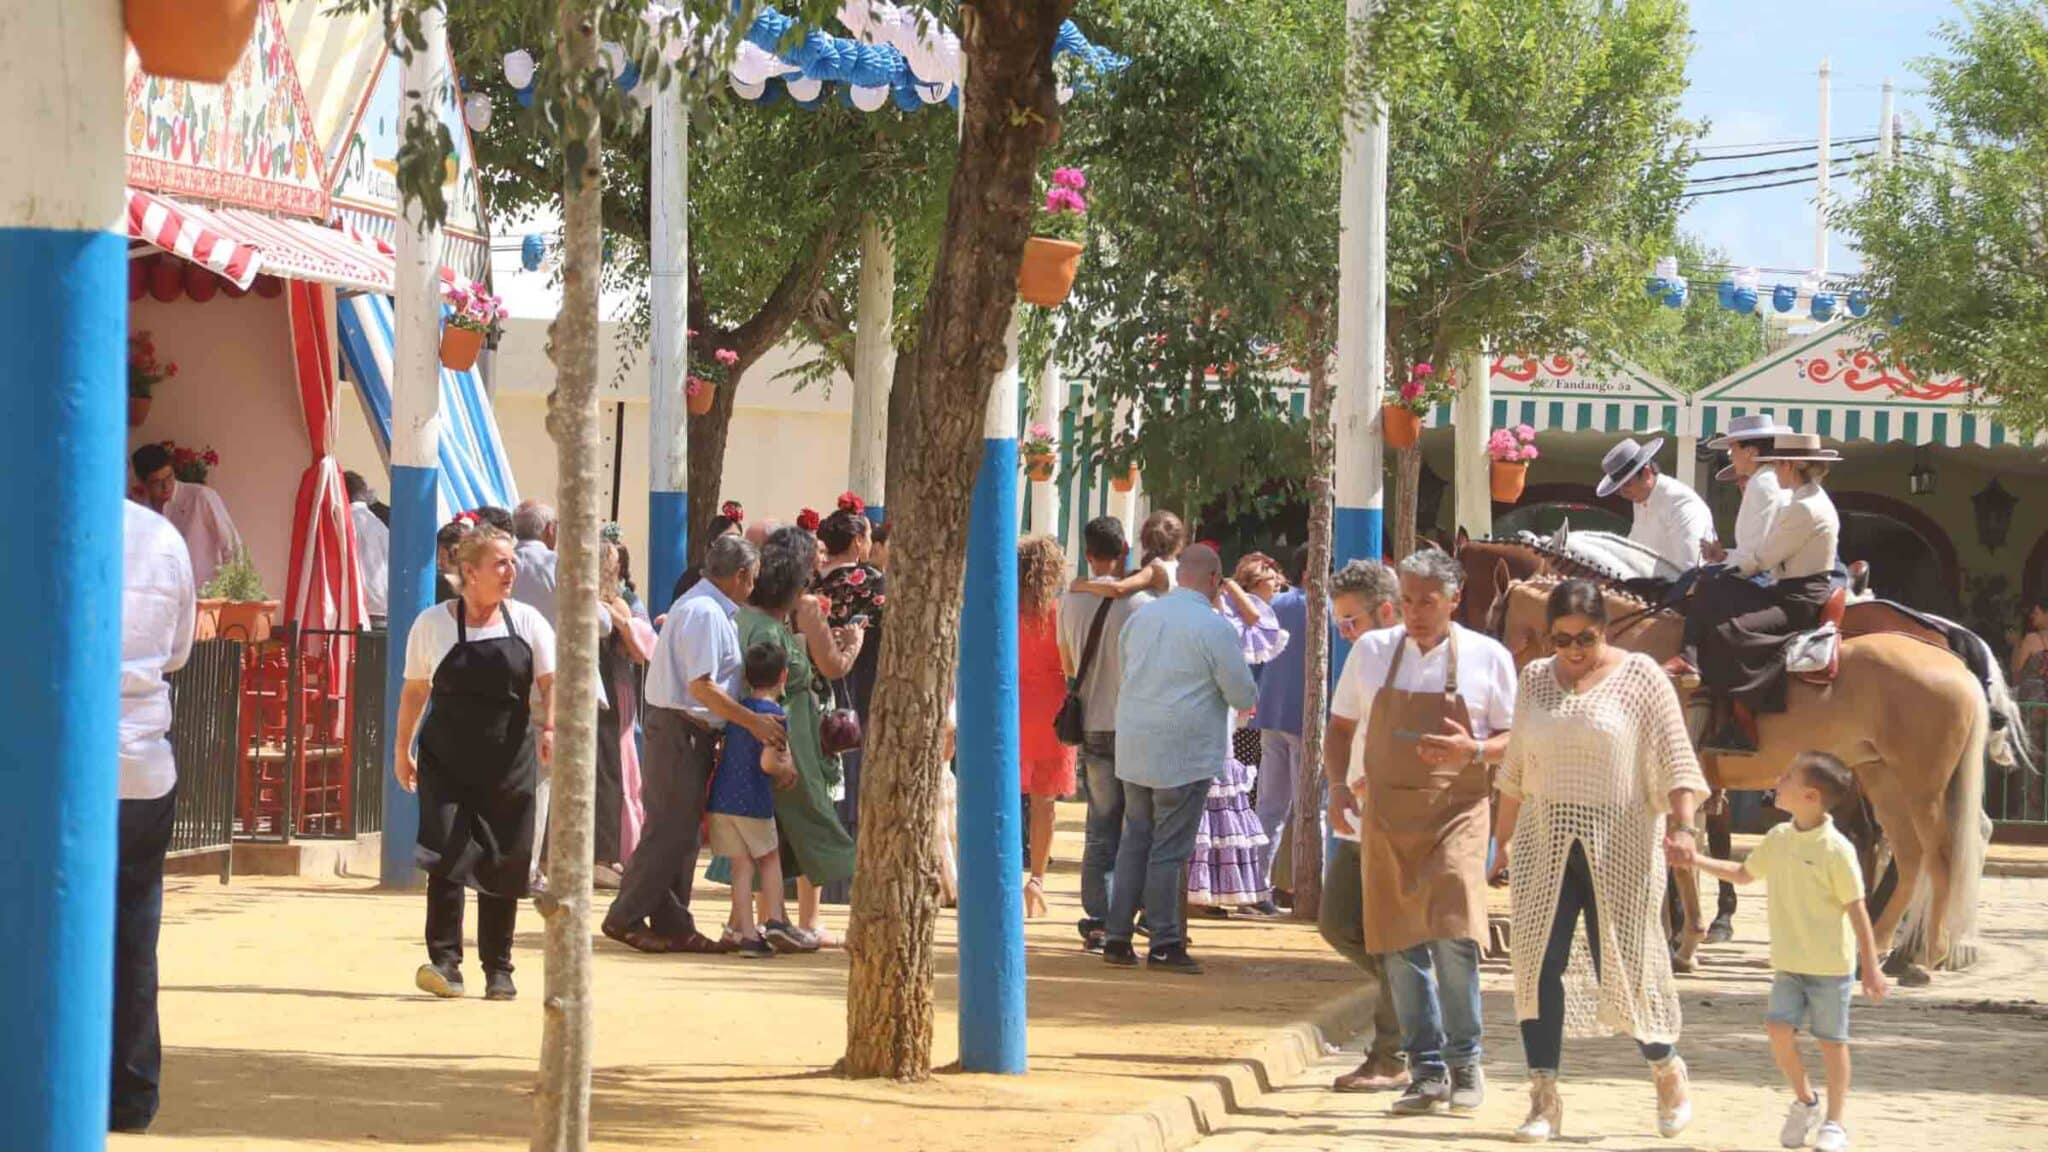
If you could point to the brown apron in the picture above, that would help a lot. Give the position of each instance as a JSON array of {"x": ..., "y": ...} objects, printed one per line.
[{"x": 1422, "y": 844}]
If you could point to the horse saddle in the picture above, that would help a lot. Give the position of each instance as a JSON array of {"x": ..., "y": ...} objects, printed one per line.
[{"x": 1816, "y": 656}]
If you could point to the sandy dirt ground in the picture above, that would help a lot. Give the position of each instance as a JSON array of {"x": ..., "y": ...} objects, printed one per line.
[
  {"x": 290, "y": 1021},
  {"x": 1958, "y": 1065}
]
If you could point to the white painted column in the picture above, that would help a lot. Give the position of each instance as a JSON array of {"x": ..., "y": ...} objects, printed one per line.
[
  {"x": 1048, "y": 403},
  {"x": 1688, "y": 471},
  {"x": 415, "y": 439},
  {"x": 1471, "y": 469},
  {"x": 668, "y": 447},
  {"x": 874, "y": 365},
  {"x": 1361, "y": 324},
  {"x": 1129, "y": 507}
]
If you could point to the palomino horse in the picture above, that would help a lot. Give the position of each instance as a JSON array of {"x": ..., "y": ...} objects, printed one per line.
[{"x": 1909, "y": 720}]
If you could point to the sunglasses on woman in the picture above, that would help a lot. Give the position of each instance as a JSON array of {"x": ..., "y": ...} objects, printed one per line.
[{"x": 1586, "y": 639}]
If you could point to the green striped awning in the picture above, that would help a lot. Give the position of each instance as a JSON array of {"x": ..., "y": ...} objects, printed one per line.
[{"x": 1577, "y": 415}]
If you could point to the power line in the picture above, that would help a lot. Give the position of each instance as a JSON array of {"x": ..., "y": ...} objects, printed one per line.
[
  {"x": 1760, "y": 187},
  {"x": 1696, "y": 180},
  {"x": 1809, "y": 146}
]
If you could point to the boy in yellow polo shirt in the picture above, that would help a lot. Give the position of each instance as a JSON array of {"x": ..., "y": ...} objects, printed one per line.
[{"x": 1819, "y": 931}]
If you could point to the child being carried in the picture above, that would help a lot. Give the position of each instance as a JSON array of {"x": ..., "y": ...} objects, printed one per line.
[{"x": 742, "y": 813}]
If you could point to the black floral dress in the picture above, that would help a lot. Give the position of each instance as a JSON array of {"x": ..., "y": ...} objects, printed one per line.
[{"x": 854, "y": 592}]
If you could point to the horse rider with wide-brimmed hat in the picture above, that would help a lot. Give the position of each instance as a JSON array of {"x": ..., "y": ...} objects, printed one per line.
[
  {"x": 1670, "y": 519},
  {"x": 1742, "y": 654},
  {"x": 1714, "y": 597}
]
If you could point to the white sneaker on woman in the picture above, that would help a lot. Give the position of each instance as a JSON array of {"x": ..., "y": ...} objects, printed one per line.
[
  {"x": 1833, "y": 1138},
  {"x": 1800, "y": 1121},
  {"x": 1674, "y": 1096},
  {"x": 1546, "y": 1110}
]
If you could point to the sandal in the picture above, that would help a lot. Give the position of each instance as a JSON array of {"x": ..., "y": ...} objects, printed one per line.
[
  {"x": 639, "y": 939},
  {"x": 1034, "y": 898}
]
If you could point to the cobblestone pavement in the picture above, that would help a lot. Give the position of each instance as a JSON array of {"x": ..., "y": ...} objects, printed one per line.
[{"x": 1962, "y": 1064}]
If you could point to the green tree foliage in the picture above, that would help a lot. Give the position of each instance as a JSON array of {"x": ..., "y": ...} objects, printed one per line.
[
  {"x": 1693, "y": 346},
  {"x": 1954, "y": 236}
]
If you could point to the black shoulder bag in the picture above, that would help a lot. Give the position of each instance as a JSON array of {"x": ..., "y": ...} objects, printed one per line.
[{"x": 1071, "y": 726}]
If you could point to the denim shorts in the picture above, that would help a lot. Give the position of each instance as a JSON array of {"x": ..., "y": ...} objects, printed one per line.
[{"x": 1817, "y": 1004}]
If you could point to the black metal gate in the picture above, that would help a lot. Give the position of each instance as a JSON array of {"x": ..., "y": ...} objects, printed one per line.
[
  {"x": 367, "y": 747},
  {"x": 205, "y": 707}
]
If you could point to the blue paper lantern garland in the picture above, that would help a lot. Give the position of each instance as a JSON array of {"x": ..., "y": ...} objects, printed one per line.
[{"x": 532, "y": 250}]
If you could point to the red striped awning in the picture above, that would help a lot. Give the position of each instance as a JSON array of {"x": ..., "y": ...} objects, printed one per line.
[
  {"x": 239, "y": 242},
  {"x": 177, "y": 229}
]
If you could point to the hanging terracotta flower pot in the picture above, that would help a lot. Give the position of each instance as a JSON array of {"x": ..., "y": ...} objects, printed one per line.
[
  {"x": 1402, "y": 428},
  {"x": 1039, "y": 468},
  {"x": 197, "y": 40},
  {"x": 1508, "y": 478},
  {"x": 701, "y": 399},
  {"x": 459, "y": 348},
  {"x": 1125, "y": 482},
  {"x": 138, "y": 410},
  {"x": 1046, "y": 277}
]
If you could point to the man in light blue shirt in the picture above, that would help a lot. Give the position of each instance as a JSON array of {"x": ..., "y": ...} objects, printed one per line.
[
  {"x": 1182, "y": 674},
  {"x": 692, "y": 692}
]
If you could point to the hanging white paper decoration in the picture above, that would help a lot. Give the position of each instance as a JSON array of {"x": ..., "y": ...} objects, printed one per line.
[
  {"x": 476, "y": 111},
  {"x": 746, "y": 90},
  {"x": 519, "y": 68},
  {"x": 869, "y": 99},
  {"x": 1667, "y": 268},
  {"x": 1066, "y": 92},
  {"x": 615, "y": 57},
  {"x": 804, "y": 89}
]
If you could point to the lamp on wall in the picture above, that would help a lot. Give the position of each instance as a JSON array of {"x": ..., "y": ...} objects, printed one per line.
[
  {"x": 1994, "y": 507},
  {"x": 1920, "y": 481}
]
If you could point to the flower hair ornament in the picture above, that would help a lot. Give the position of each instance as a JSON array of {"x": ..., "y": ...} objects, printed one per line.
[
  {"x": 732, "y": 511},
  {"x": 848, "y": 502},
  {"x": 466, "y": 519},
  {"x": 807, "y": 520}
]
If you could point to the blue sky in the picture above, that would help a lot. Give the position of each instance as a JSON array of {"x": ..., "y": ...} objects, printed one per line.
[{"x": 1754, "y": 77}]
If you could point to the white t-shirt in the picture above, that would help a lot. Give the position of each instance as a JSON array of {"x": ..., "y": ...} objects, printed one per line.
[
  {"x": 158, "y": 610},
  {"x": 1486, "y": 679},
  {"x": 433, "y": 637}
]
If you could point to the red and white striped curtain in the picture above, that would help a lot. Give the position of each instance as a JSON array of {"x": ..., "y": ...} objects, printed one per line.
[{"x": 325, "y": 589}]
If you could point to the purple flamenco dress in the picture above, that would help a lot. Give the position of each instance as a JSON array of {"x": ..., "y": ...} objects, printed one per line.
[{"x": 1224, "y": 870}]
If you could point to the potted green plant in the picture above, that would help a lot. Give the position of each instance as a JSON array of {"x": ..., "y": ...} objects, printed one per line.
[
  {"x": 243, "y": 614},
  {"x": 700, "y": 386},
  {"x": 1040, "y": 452},
  {"x": 145, "y": 372},
  {"x": 1053, "y": 254},
  {"x": 472, "y": 314},
  {"x": 1401, "y": 417}
]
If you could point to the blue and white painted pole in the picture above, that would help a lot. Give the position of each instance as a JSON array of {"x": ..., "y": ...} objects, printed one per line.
[
  {"x": 668, "y": 448},
  {"x": 63, "y": 295},
  {"x": 1361, "y": 327},
  {"x": 874, "y": 362},
  {"x": 415, "y": 450},
  {"x": 992, "y": 1019}
]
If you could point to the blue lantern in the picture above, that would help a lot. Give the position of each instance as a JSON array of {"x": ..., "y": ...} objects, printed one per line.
[
  {"x": 1823, "y": 308},
  {"x": 1654, "y": 286},
  {"x": 1745, "y": 300},
  {"x": 526, "y": 97},
  {"x": 1675, "y": 293},
  {"x": 1859, "y": 304},
  {"x": 1726, "y": 291},
  {"x": 630, "y": 78},
  {"x": 531, "y": 250},
  {"x": 1784, "y": 297}
]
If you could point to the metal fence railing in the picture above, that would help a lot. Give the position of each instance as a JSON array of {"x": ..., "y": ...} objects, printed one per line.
[
  {"x": 2020, "y": 796},
  {"x": 205, "y": 702},
  {"x": 366, "y": 746}
]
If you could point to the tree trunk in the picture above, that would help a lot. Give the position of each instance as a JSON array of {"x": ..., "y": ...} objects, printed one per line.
[
  {"x": 1009, "y": 115},
  {"x": 1407, "y": 490},
  {"x": 1322, "y": 448},
  {"x": 562, "y": 1102}
]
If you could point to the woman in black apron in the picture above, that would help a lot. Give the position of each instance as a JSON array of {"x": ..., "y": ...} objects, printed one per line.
[{"x": 471, "y": 666}]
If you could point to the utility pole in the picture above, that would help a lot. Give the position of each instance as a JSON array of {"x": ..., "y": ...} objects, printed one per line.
[
  {"x": 1887, "y": 133},
  {"x": 415, "y": 442},
  {"x": 668, "y": 446},
  {"x": 1361, "y": 320},
  {"x": 1820, "y": 202}
]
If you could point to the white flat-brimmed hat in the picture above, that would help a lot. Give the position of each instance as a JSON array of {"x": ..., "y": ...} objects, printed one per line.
[
  {"x": 1796, "y": 448},
  {"x": 1623, "y": 461},
  {"x": 1746, "y": 428}
]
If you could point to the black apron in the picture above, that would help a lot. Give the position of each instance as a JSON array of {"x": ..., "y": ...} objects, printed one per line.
[{"x": 478, "y": 764}]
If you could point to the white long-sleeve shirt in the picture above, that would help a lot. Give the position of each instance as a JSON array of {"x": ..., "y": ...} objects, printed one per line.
[
  {"x": 158, "y": 610},
  {"x": 1673, "y": 522},
  {"x": 200, "y": 516},
  {"x": 373, "y": 557},
  {"x": 1802, "y": 540},
  {"x": 1762, "y": 499}
]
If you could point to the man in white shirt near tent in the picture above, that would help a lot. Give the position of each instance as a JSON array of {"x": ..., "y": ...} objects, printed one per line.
[
  {"x": 158, "y": 606},
  {"x": 195, "y": 510},
  {"x": 373, "y": 543},
  {"x": 1670, "y": 519}
]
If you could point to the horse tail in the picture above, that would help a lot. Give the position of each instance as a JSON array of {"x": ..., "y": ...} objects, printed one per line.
[
  {"x": 2012, "y": 746},
  {"x": 1968, "y": 835}
]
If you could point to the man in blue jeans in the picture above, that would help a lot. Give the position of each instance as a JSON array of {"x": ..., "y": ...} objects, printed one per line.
[
  {"x": 1105, "y": 546},
  {"x": 1182, "y": 674}
]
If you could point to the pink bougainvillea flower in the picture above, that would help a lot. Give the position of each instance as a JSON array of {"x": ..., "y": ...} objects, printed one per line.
[
  {"x": 1524, "y": 432},
  {"x": 726, "y": 356},
  {"x": 1424, "y": 370},
  {"x": 1070, "y": 178},
  {"x": 1411, "y": 391}
]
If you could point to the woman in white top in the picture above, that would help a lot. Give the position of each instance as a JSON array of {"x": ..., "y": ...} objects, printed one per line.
[
  {"x": 1742, "y": 658},
  {"x": 1598, "y": 775},
  {"x": 471, "y": 666}
]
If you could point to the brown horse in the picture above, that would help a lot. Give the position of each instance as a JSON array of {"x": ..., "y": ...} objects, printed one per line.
[{"x": 1910, "y": 720}]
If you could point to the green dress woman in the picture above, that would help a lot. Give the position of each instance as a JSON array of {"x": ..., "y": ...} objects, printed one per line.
[{"x": 822, "y": 850}]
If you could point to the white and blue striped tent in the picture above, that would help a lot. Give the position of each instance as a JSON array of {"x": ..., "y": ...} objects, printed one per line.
[
  {"x": 1572, "y": 392},
  {"x": 1835, "y": 386},
  {"x": 474, "y": 469}
]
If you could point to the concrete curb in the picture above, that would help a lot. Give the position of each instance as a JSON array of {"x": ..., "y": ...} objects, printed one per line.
[
  {"x": 1180, "y": 1120},
  {"x": 2023, "y": 869}
]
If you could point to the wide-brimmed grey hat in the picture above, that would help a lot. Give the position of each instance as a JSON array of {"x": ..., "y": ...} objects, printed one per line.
[
  {"x": 1623, "y": 461},
  {"x": 1746, "y": 428},
  {"x": 1796, "y": 448}
]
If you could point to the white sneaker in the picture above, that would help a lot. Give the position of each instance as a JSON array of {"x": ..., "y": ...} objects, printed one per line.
[
  {"x": 1800, "y": 1121},
  {"x": 1833, "y": 1138}
]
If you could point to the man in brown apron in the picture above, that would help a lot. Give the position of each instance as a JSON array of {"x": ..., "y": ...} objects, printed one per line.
[{"x": 1439, "y": 715}]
